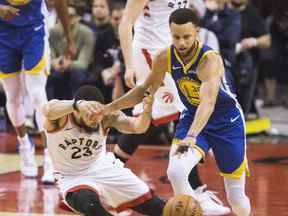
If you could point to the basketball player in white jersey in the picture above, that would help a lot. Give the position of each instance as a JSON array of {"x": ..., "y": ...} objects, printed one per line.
[
  {"x": 85, "y": 171},
  {"x": 151, "y": 33}
]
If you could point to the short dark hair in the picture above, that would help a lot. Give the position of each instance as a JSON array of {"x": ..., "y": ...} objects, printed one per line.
[
  {"x": 115, "y": 6},
  {"x": 183, "y": 16},
  {"x": 89, "y": 93}
]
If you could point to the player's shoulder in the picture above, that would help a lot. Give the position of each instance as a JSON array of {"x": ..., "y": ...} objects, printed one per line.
[
  {"x": 55, "y": 125},
  {"x": 210, "y": 55}
]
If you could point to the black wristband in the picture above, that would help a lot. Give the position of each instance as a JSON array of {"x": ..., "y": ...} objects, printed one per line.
[{"x": 75, "y": 104}]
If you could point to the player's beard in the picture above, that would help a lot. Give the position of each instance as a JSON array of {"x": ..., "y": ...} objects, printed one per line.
[
  {"x": 189, "y": 51},
  {"x": 88, "y": 129}
]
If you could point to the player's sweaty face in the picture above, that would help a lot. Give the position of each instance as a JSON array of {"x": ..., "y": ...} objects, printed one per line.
[{"x": 183, "y": 36}]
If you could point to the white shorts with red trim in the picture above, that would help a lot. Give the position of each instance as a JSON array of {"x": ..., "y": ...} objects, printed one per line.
[
  {"x": 117, "y": 186},
  {"x": 167, "y": 104}
]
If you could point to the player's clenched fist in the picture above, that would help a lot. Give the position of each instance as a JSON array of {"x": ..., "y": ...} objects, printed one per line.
[
  {"x": 185, "y": 144},
  {"x": 89, "y": 108},
  {"x": 8, "y": 12}
]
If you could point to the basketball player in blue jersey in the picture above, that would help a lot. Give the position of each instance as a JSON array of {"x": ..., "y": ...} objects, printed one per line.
[
  {"x": 24, "y": 60},
  {"x": 212, "y": 118}
]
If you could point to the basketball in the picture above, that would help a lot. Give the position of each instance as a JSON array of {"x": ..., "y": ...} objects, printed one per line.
[{"x": 182, "y": 205}]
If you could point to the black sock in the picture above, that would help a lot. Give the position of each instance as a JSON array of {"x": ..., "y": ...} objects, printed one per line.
[
  {"x": 86, "y": 202},
  {"x": 194, "y": 179}
]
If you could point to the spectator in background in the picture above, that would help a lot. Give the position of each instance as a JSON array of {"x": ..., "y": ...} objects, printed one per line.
[
  {"x": 254, "y": 36},
  {"x": 68, "y": 75},
  {"x": 206, "y": 36},
  {"x": 225, "y": 22},
  {"x": 108, "y": 57},
  {"x": 279, "y": 60},
  {"x": 100, "y": 16}
]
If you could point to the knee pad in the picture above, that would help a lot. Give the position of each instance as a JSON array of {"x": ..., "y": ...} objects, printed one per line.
[
  {"x": 151, "y": 207},
  {"x": 86, "y": 202},
  {"x": 15, "y": 110}
]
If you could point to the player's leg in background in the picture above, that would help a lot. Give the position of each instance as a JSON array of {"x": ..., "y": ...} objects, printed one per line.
[
  {"x": 10, "y": 68},
  {"x": 235, "y": 192},
  {"x": 14, "y": 102},
  {"x": 194, "y": 178},
  {"x": 36, "y": 64},
  {"x": 35, "y": 85},
  {"x": 127, "y": 144},
  {"x": 86, "y": 202}
]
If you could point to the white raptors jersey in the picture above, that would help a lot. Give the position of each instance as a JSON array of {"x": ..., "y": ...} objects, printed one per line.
[
  {"x": 152, "y": 27},
  {"x": 73, "y": 150}
]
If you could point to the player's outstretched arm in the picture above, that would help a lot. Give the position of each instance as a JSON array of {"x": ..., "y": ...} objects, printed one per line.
[
  {"x": 210, "y": 72},
  {"x": 151, "y": 84},
  {"x": 56, "y": 109},
  {"x": 132, "y": 125},
  {"x": 132, "y": 11}
]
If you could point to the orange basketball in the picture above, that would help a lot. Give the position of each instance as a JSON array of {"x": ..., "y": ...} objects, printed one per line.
[{"x": 182, "y": 205}]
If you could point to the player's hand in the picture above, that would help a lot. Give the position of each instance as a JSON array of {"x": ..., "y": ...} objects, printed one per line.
[
  {"x": 185, "y": 145},
  {"x": 8, "y": 12},
  {"x": 98, "y": 110},
  {"x": 248, "y": 43},
  {"x": 130, "y": 77},
  {"x": 147, "y": 103},
  {"x": 89, "y": 108}
]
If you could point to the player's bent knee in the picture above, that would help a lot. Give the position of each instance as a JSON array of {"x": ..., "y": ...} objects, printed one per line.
[
  {"x": 86, "y": 202},
  {"x": 151, "y": 207}
]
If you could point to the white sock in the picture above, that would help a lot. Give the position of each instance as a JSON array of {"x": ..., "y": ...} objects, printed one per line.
[{"x": 179, "y": 169}]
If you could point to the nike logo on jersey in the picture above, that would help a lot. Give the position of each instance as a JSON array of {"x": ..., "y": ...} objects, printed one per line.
[
  {"x": 68, "y": 129},
  {"x": 234, "y": 119},
  {"x": 38, "y": 27},
  {"x": 176, "y": 68}
]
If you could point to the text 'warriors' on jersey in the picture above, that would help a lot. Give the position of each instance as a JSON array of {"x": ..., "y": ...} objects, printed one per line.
[{"x": 188, "y": 83}]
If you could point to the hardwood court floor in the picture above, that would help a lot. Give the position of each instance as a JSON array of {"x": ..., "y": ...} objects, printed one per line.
[{"x": 267, "y": 186}]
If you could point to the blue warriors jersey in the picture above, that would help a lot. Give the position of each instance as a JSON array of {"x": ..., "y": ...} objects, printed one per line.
[
  {"x": 188, "y": 83},
  {"x": 31, "y": 12}
]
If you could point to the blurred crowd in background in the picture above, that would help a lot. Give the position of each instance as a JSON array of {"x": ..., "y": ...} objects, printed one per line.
[{"x": 252, "y": 37}]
